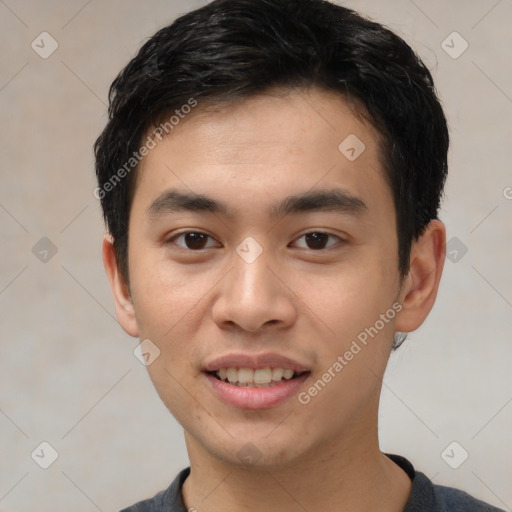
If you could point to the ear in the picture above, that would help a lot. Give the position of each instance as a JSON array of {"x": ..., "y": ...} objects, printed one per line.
[
  {"x": 419, "y": 288},
  {"x": 123, "y": 302}
]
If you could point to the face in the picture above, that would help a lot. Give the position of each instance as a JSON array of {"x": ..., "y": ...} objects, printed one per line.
[{"x": 257, "y": 243}]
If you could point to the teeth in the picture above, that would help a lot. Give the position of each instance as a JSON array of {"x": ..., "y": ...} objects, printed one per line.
[
  {"x": 288, "y": 374},
  {"x": 232, "y": 375},
  {"x": 245, "y": 375},
  {"x": 277, "y": 374},
  {"x": 261, "y": 377}
]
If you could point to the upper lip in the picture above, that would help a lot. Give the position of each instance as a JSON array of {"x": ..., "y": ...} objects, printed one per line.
[{"x": 255, "y": 361}]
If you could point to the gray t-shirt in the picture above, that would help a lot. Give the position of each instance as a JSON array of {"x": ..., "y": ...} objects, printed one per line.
[{"x": 424, "y": 497}]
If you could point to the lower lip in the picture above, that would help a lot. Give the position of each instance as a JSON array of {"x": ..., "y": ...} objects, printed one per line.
[{"x": 256, "y": 398}]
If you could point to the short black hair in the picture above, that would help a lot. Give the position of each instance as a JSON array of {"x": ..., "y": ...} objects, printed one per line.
[{"x": 235, "y": 49}]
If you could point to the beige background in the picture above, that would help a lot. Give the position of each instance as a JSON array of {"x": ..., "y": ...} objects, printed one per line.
[{"x": 67, "y": 372}]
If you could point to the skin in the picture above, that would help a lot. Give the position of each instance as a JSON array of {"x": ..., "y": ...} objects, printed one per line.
[{"x": 307, "y": 304}]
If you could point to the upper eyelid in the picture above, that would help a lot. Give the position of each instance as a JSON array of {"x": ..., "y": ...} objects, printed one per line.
[
  {"x": 177, "y": 235},
  {"x": 319, "y": 231},
  {"x": 340, "y": 238},
  {"x": 195, "y": 231}
]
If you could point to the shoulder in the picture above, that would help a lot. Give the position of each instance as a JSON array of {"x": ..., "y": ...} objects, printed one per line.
[
  {"x": 155, "y": 504},
  {"x": 451, "y": 499},
  {"x": 427, "y": 497},
  {"x": 165, "y": 501}
]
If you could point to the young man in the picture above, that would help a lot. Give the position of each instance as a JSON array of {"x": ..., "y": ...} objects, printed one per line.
[{"x": 270, "y": 176}]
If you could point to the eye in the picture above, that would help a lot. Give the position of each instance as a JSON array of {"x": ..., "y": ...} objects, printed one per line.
[
  {"x": 192, "y": 240},
  {"x": 317, "y": 240}
]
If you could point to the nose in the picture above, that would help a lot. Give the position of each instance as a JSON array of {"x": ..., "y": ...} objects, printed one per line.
[{"x": 254, "y": 296}]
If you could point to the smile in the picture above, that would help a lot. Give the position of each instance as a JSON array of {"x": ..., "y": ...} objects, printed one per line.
[{"x": 255, "y": 378}]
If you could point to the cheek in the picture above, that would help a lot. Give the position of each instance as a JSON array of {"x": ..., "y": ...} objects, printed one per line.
[
  {"x": 166, "y": 303},
  {"x": 165, "y": 295},
  {"x": 171, "y": 310},
  {"x": 352, "y": 297}
]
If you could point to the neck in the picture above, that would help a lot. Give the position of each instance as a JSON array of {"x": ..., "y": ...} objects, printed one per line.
[{"x": 350, "y": 474}]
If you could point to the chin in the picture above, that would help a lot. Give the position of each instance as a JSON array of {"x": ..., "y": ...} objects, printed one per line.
[{"x": 257, "y": 450}]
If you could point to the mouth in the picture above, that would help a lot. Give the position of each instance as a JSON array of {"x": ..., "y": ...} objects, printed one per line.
[
  {"x": 255, "y": 381},
  {"x": 255, "y": 377}
]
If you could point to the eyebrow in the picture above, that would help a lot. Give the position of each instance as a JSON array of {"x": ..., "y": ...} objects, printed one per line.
[{"x": 338, "y": 200}]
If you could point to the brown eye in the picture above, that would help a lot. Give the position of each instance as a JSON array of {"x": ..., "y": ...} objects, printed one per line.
[
  {"x": 316, "y": 240},
  {"x": 192, "y": 240}
]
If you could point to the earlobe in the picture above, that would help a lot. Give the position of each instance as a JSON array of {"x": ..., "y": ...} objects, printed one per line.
[
  {"x": 420, "y": 286},
  {"x": 123, "y": 302}
]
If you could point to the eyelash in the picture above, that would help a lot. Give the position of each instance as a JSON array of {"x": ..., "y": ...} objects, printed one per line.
[{"x": 177, "y": 236}]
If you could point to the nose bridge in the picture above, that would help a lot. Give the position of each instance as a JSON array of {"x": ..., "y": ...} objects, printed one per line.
[
  {"x": 251, "y": 295},
  {"x": 251, "y": 279}
]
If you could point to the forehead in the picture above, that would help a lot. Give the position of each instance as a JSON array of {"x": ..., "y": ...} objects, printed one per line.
[{"x": 258, "y": 148}]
